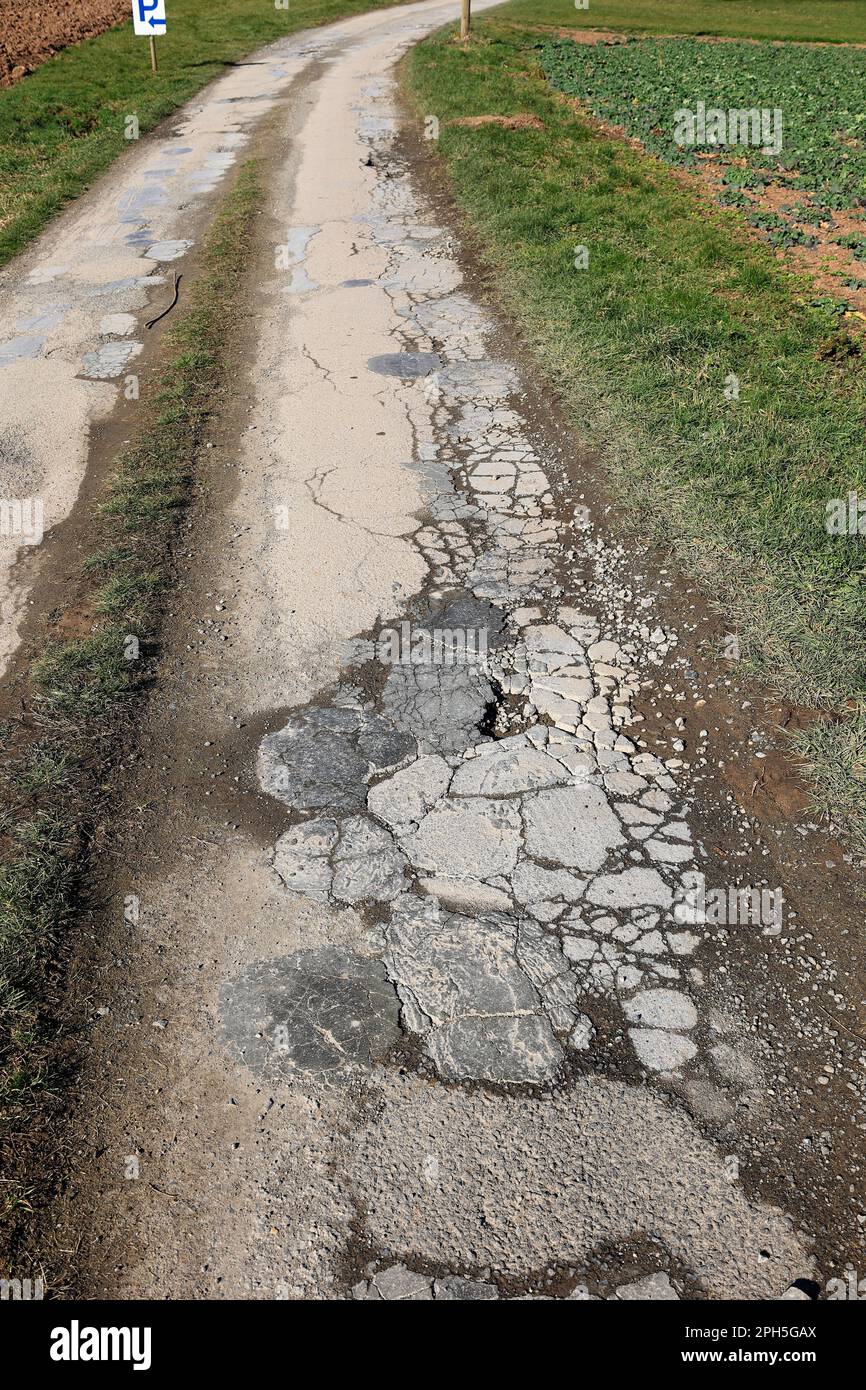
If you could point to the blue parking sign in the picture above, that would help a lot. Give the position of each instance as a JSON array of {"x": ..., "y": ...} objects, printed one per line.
[{"x": 148, "y": 16}]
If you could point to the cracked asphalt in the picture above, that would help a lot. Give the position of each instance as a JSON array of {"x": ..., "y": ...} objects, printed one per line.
[{"x": 426, "y": 1000}]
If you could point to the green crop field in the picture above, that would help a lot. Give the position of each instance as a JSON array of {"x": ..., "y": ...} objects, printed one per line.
[
  {"x": 821, "y": 21},
  {"x": 819, "y": 92}
]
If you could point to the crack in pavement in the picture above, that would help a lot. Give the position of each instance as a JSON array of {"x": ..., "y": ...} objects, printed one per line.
[{"x": 613, "y": 933}]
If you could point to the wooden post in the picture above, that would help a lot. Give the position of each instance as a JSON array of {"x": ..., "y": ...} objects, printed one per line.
[
  {"x": 465, "y": 18},
  {"x": 152, "y": 54}
]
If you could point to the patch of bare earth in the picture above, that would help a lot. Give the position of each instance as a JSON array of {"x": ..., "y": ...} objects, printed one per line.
[
  {"x": 33, "y": 30},
  {"x": 612, "y": 36},
  {"x": 523, "y": 120},
  {"x": 827, "y": 263}
]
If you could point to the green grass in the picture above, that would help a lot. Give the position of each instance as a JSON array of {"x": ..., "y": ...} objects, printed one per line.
[
  {"x": 84, "y": 691},
  {"x": 818, "y": 21},
  {"x": 676, "y": 298},
  {"x": 34, "y": 904},
  {"x": 64, "y": 124}
]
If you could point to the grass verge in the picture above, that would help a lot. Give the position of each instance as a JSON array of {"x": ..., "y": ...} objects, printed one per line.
[
  {"x": 64, "y": 124},
  {"x": 82, "y": 692},
  {"x": 676, "y": 299}
]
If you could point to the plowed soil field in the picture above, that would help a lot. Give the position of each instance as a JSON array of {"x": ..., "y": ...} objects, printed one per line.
[{"x": 32, "y": 30}]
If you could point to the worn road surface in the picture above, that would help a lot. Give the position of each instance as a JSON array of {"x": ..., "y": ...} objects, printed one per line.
[{"x": 423, "y": 1000}]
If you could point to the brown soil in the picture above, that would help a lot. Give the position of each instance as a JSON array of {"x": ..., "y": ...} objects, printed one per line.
[
  {"x": 34, "y": 30},
  {"x": 590, "y": 35},
  {"x": 522, "y": 121}
]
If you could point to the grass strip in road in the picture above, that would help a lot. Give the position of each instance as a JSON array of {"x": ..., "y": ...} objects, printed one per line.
[
  {"x": 83, "y": 692},
  {"x": 675, "y": 300},
  {"x": 61, "y": 126}
]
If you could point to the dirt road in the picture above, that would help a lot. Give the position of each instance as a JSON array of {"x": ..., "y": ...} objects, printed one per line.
[{"x": 433, "y": 990}]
